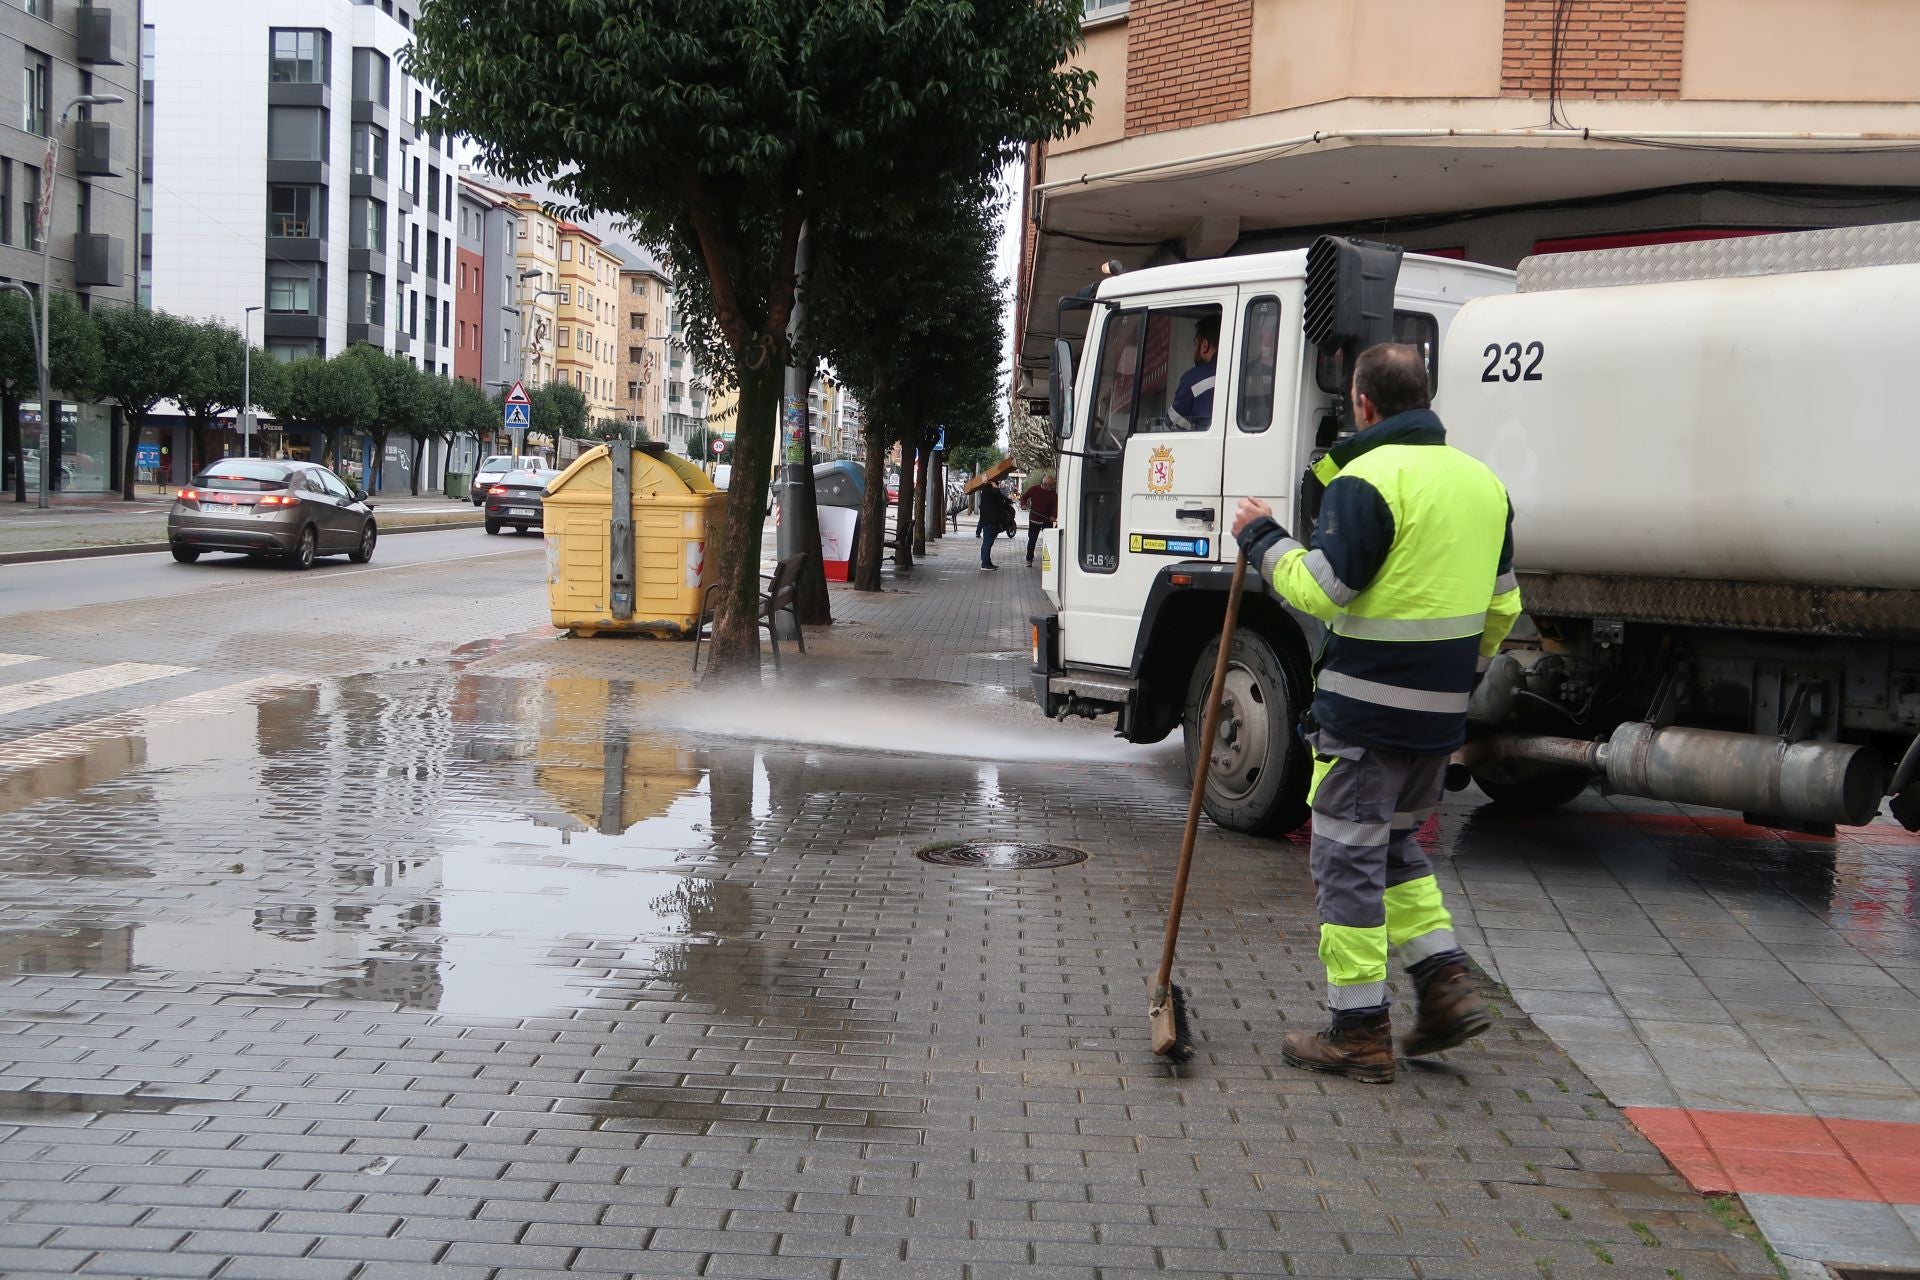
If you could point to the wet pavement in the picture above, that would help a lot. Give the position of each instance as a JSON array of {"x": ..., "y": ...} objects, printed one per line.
[{"x": 462, "y": 945}]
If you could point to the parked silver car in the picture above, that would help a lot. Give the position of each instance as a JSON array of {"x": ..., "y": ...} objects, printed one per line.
[{"x": 294, "y": 511}]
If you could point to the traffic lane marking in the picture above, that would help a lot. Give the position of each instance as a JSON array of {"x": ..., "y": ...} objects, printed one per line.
[
  {"x": 15, "y": 659},
  {"x": 81, "y": 684},
  {"x": 1817, "y": 1157}
]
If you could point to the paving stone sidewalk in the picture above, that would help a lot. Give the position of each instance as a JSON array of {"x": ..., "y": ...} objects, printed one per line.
[{"x": 514, "y": 965}]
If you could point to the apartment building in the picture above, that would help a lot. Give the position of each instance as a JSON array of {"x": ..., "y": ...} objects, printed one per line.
[
  {"x": 1485, "y": 129},
  {"x": 57, "y": 51},
  {"x": 641, "y": 340},
  {"x": 487, "y": 331},
  {"x": 589, "y": 278}
]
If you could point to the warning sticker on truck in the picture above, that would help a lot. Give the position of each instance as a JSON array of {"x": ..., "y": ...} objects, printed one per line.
[{"x": 1157, "y": 544}]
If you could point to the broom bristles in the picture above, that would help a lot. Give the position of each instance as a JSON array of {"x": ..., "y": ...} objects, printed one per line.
[{"x": 1172, "y": 1026}]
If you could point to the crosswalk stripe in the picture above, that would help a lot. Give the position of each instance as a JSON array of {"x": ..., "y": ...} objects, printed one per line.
[
  {"x": 15, "y": 659},
  {"x": 80, "y": 684},
  {"x": 59, "y": 744}
]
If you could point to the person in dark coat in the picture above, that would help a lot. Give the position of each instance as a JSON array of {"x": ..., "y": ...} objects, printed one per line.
[{"x": 996, "y": 518}]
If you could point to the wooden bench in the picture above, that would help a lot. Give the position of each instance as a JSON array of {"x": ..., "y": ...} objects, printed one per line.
[{"x": 780, "y": 595}]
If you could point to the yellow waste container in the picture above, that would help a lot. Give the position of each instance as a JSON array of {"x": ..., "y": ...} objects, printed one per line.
[{"x": 646, "y": 573}]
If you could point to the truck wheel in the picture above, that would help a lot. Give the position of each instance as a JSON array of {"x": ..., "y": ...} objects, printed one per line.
[
  {"x": 1258, "y": 780},
  {"x": 1534, "y": 790}
]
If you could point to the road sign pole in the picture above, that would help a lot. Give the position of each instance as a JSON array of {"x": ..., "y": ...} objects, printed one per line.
[{"x": 518, "y": 414}]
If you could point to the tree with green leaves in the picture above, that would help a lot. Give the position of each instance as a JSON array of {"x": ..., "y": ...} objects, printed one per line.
[
  {"x": 560, "y": 409},
  {"x": 453, "y": 409},
  {"x": 910, "y": 316},
  {"x": 718, "y": 131},
  {"x": 329, "y": 396},
  {"x": 74, "y": 366},
  {"x": 700, "y": 444},
  {"x": 403, "y": 393},
  {"x": 142, "y": 351},
  {"x": 211, "y": 379}
]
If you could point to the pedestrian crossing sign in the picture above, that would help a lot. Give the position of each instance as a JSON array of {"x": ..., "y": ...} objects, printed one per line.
[{"x": 517, "y": 416}]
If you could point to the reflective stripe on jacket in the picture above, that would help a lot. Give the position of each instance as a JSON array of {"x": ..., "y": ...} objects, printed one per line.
[{"x": 1411, "y": 568}]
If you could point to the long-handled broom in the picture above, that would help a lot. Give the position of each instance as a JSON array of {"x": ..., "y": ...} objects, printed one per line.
[{"x": 1167, "y": 1010}]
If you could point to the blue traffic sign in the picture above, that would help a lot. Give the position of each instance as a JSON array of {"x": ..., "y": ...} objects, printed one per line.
[{"x": 518, "y": 416}]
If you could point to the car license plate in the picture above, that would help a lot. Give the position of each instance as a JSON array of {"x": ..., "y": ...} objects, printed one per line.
[
  {"x": 522, "y": 511},
  {"x": 227, "y": 509}
]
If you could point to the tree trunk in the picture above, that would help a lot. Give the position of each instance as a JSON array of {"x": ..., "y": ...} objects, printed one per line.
[
  {"x": 903, "y": 515},
  {"x": 419, "y": 454},
  {"x": 922, "y": 497},
  {"x": 736, "y": 626},
  {"x": 379, "y": 461},
  {"x": 936, "y": 521},
  {"x": 130, "y": 457},
  {"x": 811, "y": 603},
  {"x": 872, "y": 549}
]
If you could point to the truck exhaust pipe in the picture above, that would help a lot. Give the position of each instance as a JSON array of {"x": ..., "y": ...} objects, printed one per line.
[{"x": 1826, "y": 782}]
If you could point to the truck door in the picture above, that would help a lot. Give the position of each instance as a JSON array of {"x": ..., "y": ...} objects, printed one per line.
[{"x": 1149, "y": 483}]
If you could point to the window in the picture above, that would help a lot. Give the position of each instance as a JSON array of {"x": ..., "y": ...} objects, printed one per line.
[
  {"x": 366, "y": 298},
  {"x": 6, "y": 202},
  {"x": 36, "y": 92},
  {"x": 446, "y": 319},
  {"x": 296, "y": 133},
  {"x": 633, "y": 391},
  {"x": 286, "y": 350},
  {"x": 523, "y": 230},
  {"x": 1259, "y": 355},
  {"x": 418, "y": 111},
  {"x": 634, "y": 355},
  {"x": 416, "y": 176},
  {"x": 449, "y": 181},
  {"x": 413, "y": 313},
  {"x": 1176, "y": 390},
  {"x": 637, "y": 320},
  {"x": 298, "y": 56},
  {"x": 369, "y": 224},
  {"x": 566, "y": 295},
  {"x": 1415, "y": 328},
  {"x": 369, "y": 151},
  {"x": 446, "y": 265},
  {"x": 463, "y": 277},
  {"x": 566, "y": 251},
  {"x": 39, "y": 9},
  {"x": 431, "y": 339},
  {"x": 433, "y": 253},
  {"x": 413, "y": 256},
  {"x": 294, "y": 211},
  {"x": 433, "y": 191},
  {"x": 1110, "y": 421},
  {"x": 566, "y": 336},
  {"x": 294, "y": 288}
]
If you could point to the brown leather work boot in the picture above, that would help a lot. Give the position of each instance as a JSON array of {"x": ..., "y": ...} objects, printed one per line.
[
  {"x": 1451, "y": 1012},
  {"x": 1363, "y": 1052}
]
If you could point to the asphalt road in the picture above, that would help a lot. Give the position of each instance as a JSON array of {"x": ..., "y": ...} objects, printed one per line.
[{"x": 68, "y": 584}]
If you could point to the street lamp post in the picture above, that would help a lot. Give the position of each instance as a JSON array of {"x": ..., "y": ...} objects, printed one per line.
[
  {"x": 52, "y": 179},
  {"x": 246, "y": 382},
  {"x": 518, "y": 438}
]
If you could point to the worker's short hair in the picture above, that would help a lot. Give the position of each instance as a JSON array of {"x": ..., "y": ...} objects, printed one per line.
[
  {"x": 1394, "y": 376},
  {"x": 1209, "y": 329}
]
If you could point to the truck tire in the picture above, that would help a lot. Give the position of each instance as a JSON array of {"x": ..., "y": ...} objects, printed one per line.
[
  {"x": 1535, "y": 790},
  {"x": 1258, "y": 782}
]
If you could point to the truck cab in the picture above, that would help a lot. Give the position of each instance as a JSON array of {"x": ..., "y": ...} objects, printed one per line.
[{"x": 1137, "y": 568}]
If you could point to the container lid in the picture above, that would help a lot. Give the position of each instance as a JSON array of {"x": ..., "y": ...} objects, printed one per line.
[{"x": 656, "y": 473}]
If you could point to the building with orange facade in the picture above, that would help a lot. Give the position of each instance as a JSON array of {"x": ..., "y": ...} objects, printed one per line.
[{"x": 1484, "y": 129}]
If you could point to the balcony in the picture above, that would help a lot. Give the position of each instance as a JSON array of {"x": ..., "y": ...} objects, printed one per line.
[
  {"x": 97, "y": 260},
  {"x": 93, "y": 36},
  {"x": 93, "y": 149}
]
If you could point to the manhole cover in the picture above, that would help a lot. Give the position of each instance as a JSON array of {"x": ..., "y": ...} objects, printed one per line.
[{"x": 1000, "y": 855}]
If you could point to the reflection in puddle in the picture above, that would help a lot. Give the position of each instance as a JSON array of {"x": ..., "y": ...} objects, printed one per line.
[
  {"x": 476, "y": 845},
  {"x": 32, "y": 1102}
]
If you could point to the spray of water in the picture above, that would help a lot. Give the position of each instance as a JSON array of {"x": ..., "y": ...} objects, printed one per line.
[{"x": 888, "y": 723}]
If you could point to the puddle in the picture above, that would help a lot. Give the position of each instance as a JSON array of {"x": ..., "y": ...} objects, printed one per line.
[{"x": 35, "y": 1102}]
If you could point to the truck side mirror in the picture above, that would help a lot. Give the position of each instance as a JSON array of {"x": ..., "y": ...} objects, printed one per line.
[{"x": 1060, "y": 389}]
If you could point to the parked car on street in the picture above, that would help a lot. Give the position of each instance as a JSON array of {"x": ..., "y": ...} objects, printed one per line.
[
  {"x": 514, "y": 502},
  {"x": 293, "y": 511},
  {"x": 493, "y": 468}
]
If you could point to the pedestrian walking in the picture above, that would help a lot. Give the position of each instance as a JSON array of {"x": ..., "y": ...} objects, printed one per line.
[
  {"x": 1042, "y": 504},
  {"x": 996, "y": 518},
  {"x": 1411, "y": 568}
]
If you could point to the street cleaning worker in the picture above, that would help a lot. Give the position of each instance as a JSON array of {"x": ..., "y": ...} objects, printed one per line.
[{"x": 1411, "y": 568}]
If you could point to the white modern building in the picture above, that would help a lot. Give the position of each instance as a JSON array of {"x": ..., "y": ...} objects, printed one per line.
[{"x": 289, "y": 175}]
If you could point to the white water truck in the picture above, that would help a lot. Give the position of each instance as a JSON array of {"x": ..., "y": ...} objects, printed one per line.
[{"x": 1716, "y": 488}]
